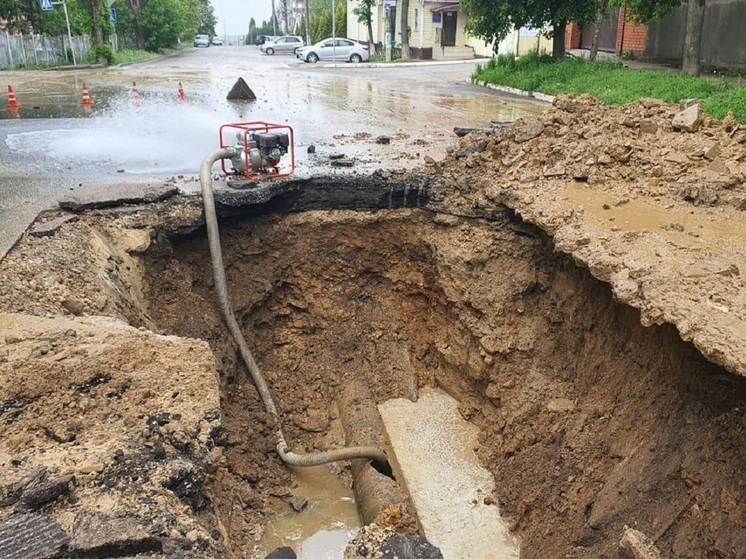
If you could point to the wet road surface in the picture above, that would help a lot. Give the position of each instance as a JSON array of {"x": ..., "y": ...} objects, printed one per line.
[{"x": 53, "y": 149}]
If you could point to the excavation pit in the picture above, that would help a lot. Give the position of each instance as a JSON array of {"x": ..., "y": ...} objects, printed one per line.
[
  {"x": 586, "y": 418},
  {"x": 592, "y": 412}
]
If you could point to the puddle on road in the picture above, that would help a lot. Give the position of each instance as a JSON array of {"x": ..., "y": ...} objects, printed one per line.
[
  {"x": 161, "y": 136},
  {"x": 154, "y": 138},
  {"x": 323, "y": 528}
]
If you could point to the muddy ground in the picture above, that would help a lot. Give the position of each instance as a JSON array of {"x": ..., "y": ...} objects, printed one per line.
[{"x": 575, "y": 281}]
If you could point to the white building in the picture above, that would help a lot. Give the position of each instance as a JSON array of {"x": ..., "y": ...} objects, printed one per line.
[{"x": 436, "y": 31}]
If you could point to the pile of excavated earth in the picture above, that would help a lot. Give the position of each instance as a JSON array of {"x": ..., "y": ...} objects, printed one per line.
[{"x": 575, "y": 281}]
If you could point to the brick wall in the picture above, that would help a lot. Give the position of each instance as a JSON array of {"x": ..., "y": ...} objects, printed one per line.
[
  {"x": 572, "y": 36},
  {"x": 630, "y": 36}
]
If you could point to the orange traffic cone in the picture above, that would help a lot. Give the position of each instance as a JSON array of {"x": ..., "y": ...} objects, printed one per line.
[
  {"x": 136, "y": 98},
  {"x": 181, "y": 96},
  {"x": 86, "y": 101},
  {"x": 14, "y": 107}
]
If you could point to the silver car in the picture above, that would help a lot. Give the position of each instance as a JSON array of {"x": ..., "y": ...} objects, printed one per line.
[
  {"x": 288, "y": 43},
  {"x": 335, "y": 50}
]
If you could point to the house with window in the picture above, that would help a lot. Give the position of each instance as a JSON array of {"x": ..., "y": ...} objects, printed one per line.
[{"x": 437, "y": 31}]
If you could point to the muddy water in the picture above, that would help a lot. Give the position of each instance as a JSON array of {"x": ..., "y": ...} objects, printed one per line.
[
  {"x": 681, "y": 227},
  {"x": 323, "y": 528}
]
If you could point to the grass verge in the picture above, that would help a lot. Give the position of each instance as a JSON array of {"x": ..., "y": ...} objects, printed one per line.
[
  {"x": 131, "y": 56},
  {"x": 612, "y": 82}
]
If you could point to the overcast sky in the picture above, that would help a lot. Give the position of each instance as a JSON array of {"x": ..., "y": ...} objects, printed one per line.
[{"x": 234, "y": 15}]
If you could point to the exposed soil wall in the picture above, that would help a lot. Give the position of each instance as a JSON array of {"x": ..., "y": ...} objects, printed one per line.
[{"x": 589, "y": 420}]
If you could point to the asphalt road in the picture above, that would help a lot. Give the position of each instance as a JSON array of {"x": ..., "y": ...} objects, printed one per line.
[{"x": 53, "y": 150}]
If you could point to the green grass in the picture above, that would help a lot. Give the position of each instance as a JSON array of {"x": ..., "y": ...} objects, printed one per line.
[
  {"x": 130, "y": 56},
  {"x": 612, "y": 83}
]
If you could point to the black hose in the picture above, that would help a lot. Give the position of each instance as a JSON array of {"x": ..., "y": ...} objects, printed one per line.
[{"x": 218, "y": 270}]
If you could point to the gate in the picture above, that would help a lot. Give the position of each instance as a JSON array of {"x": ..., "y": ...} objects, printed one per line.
[{"x": 607, "y": 37}]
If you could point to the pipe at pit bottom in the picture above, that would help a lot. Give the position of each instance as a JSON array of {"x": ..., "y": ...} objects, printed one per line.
[{"x": 379, "y": 498}]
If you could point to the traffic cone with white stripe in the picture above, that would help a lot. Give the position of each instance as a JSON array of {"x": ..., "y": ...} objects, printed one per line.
[
  {"x": 13, "y": 106},
  {"x": 181, "y": 96},
  {"x": 86, "y": 102},
  {"x": 135, "y": 98}
]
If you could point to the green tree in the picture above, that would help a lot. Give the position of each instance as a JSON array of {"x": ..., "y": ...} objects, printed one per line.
[
  {"x": 21, "y": 15},
  {"x": 164, "y": 22},
  {"x": 321, "y": 24},
  {"x": 364, "y": 13},
  {"x": 206, "y": 20},
  {"x": 251, "y": 35},
  {"x": 647, "y": 11},
  {"x": 340, "y": 19},
  {"x": 492, "y": 20}
]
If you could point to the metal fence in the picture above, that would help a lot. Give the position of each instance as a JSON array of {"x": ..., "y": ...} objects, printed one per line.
[{"x": 23, "y": 51}]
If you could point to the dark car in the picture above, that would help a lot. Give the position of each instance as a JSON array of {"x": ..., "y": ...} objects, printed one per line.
[{"x": 261, "y": 39}]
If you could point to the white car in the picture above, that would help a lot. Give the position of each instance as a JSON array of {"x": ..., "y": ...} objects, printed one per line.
[
  {"x": 288, "y": 43},
  {"x": 335, "y": 50},
  {"x": 217, "y": 41}
]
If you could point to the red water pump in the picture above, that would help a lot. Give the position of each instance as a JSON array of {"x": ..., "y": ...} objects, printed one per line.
[{"x": 261, "y": 149}]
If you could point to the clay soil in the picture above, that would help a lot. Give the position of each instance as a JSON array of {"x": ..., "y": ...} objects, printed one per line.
[{"x": 578, "y": 288}]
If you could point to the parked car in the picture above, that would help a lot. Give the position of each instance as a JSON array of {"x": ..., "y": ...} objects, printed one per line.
[
  {"x": 261, "y": 39},
  {"x": 201, "y": 41},
  {"x": 217, "y": 41},
  {"x": 335, "y": 50},
  {"x": 288, "y": 43}
]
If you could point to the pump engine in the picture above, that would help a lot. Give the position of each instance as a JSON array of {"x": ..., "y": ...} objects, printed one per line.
[
  {"x": 263, "y": 152},
  {"x": 260, "y": 149}
]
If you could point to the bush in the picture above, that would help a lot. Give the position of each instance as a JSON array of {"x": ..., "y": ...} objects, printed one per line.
[{"x": 100, "y": 51}]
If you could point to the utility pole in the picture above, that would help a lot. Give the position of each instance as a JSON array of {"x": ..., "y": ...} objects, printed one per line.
[
  {"x": 334, "y": 35},
  {"x": 69, "y": 32}
]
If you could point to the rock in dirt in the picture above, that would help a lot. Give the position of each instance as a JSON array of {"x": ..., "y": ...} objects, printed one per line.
[
  {"x": 31, "y": 536},
  {"x": 35, "y": 497},
  {"x": 528, "y": 130},
  {"x": 49, "y": 228},
  {"x": 98, "y": 535},
  {"x": 688, "y": 120},
  {"x": 384, "y": 543},
  {"x": 88, "y": 198},
  {"x": 282, "y": 553},
  {"x": 636, "y": 545},
  {"x": 560, "y": 405},
  {"x": 298, "y": 503}
]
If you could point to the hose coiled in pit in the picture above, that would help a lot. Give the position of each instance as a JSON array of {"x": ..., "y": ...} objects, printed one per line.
[{"x": 218, "y": 270}]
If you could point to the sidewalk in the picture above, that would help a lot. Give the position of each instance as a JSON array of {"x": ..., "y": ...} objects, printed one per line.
[{"x": 629, "y": 63}]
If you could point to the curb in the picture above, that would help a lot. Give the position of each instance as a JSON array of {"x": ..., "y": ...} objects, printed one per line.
[
  {"x": 520, "y": 92},
  {"x": 384, "y": 64}
]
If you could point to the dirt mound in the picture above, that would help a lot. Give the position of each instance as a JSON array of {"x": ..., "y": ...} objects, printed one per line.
[
  {"x": 653, "y": 210},
  {"x": 107, "y": 426}
]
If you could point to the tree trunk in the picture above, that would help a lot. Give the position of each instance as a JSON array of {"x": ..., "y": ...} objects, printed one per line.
[
  {"x": 404, "y": 29},
  {"x": 137, "y": 13},
  {"x": 274, "y": 19},
  {"x": 600, "y": 18},
  {"x": 98, "y": 31},
  {"x": 285, "y": 17},
  {"x": 558, "y": 40},
  {"x": 693, "y": 40},
  {"x": 371, "y": 46},
  {"x": 308, "y": 23}
]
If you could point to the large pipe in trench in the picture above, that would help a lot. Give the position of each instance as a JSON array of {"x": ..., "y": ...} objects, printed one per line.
[{"x": 218, "y": 269}]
